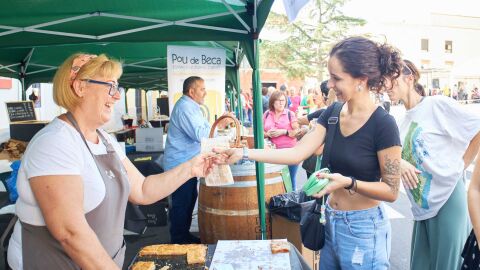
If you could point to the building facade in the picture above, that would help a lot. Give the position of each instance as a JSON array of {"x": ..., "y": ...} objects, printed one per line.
[{"x": 443, "y": 46}]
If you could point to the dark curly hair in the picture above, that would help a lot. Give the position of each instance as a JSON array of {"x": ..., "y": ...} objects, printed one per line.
[{"x": 361, "y": 57}]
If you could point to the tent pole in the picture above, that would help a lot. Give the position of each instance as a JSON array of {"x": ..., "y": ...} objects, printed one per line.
[
  {"x": 258, "y": 135},
  {"x": 126, "y": 102},
  {"x": 24, "y": 94},
  {"x": 22, "y": 76},
  {"x": 230, "y": 96},
  {"x": 146, "y": 106}
]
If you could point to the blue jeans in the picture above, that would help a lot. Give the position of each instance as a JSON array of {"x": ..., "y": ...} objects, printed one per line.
[
  {"x": 183, "y": 203},
  {"x": 250, "y": 115},
  {"x": 356, "y": 239},
  {"x": 293, "y": 175}
]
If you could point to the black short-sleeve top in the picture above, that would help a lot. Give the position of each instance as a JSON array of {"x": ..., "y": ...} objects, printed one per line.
[{"x": 356, "y": 155}]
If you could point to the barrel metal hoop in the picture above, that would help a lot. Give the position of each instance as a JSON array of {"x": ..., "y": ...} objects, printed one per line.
[
  {"x": 242, "y": 170},
  {"x": 241, "y": 184},
  {"x": 223, "y": 212}
]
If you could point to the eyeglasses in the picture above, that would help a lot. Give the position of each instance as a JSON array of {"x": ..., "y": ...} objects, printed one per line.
[{"x": 113, "y": 87}]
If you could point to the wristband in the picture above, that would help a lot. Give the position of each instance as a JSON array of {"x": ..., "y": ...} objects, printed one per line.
[
  {"x": 245, "y": 153},
  {"x": 352, "y": 184}
]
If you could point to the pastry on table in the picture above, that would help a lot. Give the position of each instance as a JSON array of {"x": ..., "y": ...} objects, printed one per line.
[
  {"x": 163, "y": 250},
  {"x": 279, "y": 246},
  {"x": 196, "y": 253},
  {"x": 143, "y": 266}
]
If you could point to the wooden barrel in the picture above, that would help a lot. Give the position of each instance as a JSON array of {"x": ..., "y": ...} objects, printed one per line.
[{"x": 231, "y": 212}]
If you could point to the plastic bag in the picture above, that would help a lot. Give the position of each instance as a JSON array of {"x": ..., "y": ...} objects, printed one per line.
[
  {"x": 12, "y": 182},
  {"x": 291, "y": 205},
  {"x": 315, "y": 184}
]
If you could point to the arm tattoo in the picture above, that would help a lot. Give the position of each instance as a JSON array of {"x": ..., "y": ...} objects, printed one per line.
[{"x": 392, "y": 174}]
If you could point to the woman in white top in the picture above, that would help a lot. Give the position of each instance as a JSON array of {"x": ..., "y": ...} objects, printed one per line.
[
  {"x": 74, "y": 181},
  {"x": 439, "y": 139}
]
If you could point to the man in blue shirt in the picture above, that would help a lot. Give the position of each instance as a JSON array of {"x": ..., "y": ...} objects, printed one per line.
[{"x": 186, "y": 129}]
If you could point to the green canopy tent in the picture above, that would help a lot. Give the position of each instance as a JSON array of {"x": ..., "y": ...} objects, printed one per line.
[
  {"x": 144, "y": 63},
  {"x": 32, "y": 24},
  {"x": 38, "y": 23},
  {"x": 27, "y": 27}
]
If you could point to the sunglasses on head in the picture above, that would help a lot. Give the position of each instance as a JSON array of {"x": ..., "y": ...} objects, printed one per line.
[{"x": 406, "y": 70}]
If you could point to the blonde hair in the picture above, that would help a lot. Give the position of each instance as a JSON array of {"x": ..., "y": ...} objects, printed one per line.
[{"x": 63, "y": 93}]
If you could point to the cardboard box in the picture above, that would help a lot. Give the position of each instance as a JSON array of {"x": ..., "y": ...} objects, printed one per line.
[
  {"x": 149, "y": 135},
  {"x": 149, "y": 139},
  {"x": 283, "y": 228},
  {"x": 149, "y": 147}
]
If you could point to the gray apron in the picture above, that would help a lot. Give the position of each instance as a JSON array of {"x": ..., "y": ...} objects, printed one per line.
[{"x": 41, "y": 251}]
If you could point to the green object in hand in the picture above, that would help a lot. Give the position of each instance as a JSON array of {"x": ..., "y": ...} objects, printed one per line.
[{"x": 314, "y": 184}]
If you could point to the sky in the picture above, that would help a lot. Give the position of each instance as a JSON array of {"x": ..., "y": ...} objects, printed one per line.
[{"x": 384, "y": 11}]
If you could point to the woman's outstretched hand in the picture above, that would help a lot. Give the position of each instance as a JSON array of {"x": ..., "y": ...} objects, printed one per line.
[
  {"x": 227, "y": 156},
  {"x": 202, "y": 164}
]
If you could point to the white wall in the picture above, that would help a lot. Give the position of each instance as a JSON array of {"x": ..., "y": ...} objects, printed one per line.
[
  {"x": 132, "y": 109},
  {"x": 48, "y": 109},
  {"x": 152, "y": 103}
]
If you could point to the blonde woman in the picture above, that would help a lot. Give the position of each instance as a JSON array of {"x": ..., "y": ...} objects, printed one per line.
[{"x": 75, "y": 181}]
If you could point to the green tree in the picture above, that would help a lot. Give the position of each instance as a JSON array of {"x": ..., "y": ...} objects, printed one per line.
[{"x": 304, "y": 52}]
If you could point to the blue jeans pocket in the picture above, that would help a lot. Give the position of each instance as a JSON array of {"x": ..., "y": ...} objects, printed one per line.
[{"x": 362, "y": 228}]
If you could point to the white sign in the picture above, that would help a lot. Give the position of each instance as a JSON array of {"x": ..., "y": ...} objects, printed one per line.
[{"x": 207, "y": 63}]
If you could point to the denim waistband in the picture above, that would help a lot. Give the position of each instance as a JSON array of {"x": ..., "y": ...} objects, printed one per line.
[{"x": 377, "y": 212}]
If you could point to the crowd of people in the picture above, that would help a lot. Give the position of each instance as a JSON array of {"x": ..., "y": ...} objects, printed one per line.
[
  {"x": 460, "y": 93},
  {"x": 427, "y": 151},
  {"x": 74, "y": 181}
]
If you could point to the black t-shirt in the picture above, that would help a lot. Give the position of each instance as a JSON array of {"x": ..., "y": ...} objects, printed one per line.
[{"x": 356, "y": 155}]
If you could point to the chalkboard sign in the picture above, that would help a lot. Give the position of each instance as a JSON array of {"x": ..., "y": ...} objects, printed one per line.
[
  {"x": 20, "y": 111},
  {"x": 162, "y": 104}
]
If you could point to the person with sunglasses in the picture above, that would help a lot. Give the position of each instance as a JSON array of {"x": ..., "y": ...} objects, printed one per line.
[
  {"x": 440, "y": 139},
  {"x": 75, "y": 181}
]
